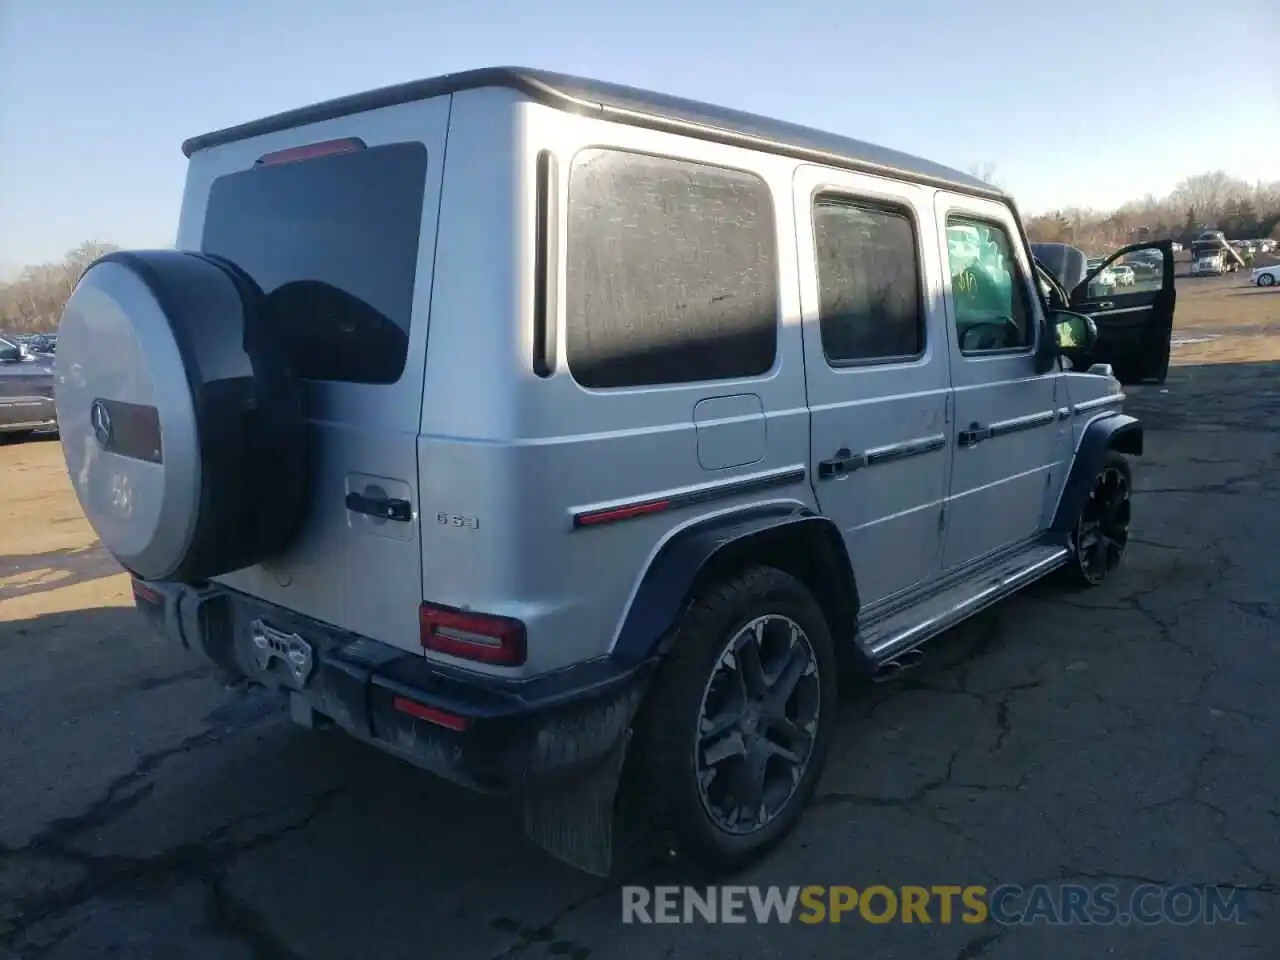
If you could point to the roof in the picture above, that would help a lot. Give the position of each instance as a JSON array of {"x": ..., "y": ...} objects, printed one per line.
[{"x": 626, "y": 105}]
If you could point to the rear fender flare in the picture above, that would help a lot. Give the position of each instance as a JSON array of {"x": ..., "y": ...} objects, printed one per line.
[
  {"x": 1114, "y": 431},
  {"x": 716, "y": 547}
]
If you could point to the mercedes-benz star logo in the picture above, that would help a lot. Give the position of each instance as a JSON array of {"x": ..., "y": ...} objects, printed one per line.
[{"x": 101, "y": 419}]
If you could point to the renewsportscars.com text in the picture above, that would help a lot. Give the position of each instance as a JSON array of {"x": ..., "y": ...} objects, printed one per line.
[{"x": 1008, "y": 904}]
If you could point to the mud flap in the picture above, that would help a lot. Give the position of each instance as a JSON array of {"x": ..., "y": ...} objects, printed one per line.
[{"x": 574, "y": 821}]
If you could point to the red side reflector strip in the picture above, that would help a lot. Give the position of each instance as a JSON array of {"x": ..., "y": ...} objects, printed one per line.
[
  {"x": 146, "y": 594},
  {"x": 615, "y": 514},
  {"x": 311, "y": 151},
  {"x": 449, "y": 721}
]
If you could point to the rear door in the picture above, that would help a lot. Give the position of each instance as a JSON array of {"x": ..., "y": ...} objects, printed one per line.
[
  {"x": 336, "y": 223},
  {"x": 875, "y": 350},
  {"x": 1135, "y": 322}
]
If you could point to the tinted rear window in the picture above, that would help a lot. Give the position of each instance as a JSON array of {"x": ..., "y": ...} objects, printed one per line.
[
  {"x": 672, "y": 273},
  {"x": 871, "y": 302},
  {"x": 333, "y": 243}
]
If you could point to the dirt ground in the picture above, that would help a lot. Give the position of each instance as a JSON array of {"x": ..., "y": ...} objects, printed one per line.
[
  {"x": 1127, "y": 735},
  {"x": 1239, "y": 322}
]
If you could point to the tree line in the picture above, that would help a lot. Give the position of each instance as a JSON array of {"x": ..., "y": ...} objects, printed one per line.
[
  {"x": 33, "y": 301},
  {"x": 1207, "y": 201}
]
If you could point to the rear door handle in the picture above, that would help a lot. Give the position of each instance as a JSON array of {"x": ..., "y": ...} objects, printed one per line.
[
  {"x": 385, "y": 508},
  {"x": 842, "y": 463},
  {"x": 974, "y": 435}
]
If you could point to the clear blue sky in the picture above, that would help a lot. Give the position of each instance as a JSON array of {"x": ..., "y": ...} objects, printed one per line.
[{"x": 1075, "y": 104}]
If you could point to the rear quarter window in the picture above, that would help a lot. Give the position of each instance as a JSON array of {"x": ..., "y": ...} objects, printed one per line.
[
  {"x": 672, "y": 272},
  {"x": 333, "y": 243}
]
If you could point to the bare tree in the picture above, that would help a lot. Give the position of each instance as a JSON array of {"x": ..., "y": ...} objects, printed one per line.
[
  {"x": 1206, "y": 201},
  {"x": 33, "y": 301}
]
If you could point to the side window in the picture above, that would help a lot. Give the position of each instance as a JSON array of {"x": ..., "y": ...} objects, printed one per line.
[
  {"x": 870, "y": 300},
  {"x": 1139, "y": 271},
  {"x": 987, "y": 290},
  {"x": 672, "y": 273}
]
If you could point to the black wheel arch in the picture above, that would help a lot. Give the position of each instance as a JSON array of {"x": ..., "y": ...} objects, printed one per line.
[
  {"x": 1117, "y": 432},
  {"x": 790, "y": 538}
]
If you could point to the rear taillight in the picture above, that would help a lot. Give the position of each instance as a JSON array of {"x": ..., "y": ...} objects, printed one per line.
[
  {"x": 472, "y": 636},
  {"x": 311, "y": 151}
]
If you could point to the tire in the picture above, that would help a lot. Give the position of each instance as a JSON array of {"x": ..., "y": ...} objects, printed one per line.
[
  {"x": 1093, "y": 560},
  {"x": 181, "y": 420},
  {"x": 697, "y": 679},
  {"x": 1266, "y": 280}
]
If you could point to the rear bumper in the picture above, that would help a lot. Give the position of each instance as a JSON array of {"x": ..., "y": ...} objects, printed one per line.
[{"x": 488, "y": 735}]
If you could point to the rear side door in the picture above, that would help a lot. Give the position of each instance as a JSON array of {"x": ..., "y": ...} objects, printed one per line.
[
  {"x": 1010, "y": 441},
  {"x": 335, "y": 221},
  {"x": 876, "y": 364},
  {"x": 1135, "y": 322}
]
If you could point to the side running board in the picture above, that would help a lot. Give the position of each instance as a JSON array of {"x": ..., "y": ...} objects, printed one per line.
[{"x": 895, "y": 633}]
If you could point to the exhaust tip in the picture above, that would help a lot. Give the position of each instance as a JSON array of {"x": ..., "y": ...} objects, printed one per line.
[{"x": 893, "y": 667}]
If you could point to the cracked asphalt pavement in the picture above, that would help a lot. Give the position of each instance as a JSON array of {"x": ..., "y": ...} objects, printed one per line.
[{"x": 1121, "y": 735}]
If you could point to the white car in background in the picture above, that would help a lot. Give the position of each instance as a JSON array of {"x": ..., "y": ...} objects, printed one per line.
[
  {"x": 1123, "y": 274},
  {"x": 1106, "y": 277},
  {"x": 1267, "y": 276}
]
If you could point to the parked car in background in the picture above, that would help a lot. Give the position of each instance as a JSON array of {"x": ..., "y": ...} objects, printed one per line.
[
  {"x": 1146, "y": 264},
  {"x": 1100, "y": 278},
  {"x": 26, "y": 389},
  {"x": 1266, "y": 246},
  {"x": 39, "y": 342},
  {"x": 1124, "y": 275},
  {"x": 1267, "y": 276}
]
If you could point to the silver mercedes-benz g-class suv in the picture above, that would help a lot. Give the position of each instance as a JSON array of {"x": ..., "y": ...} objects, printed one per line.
[{"x": 534, "y": 429}]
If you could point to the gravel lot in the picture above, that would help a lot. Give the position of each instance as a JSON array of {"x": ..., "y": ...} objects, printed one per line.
[{"x": 1124, "y": 735}]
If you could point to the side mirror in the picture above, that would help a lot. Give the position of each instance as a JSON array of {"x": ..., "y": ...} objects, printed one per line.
[{"x": 1076, "y": 335}]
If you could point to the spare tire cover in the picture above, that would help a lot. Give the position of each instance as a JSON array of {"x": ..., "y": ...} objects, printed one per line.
[{"x": 181, "y": 420}]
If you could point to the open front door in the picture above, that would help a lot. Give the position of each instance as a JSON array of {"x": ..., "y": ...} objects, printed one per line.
[{"x": 1130, "y": 297}]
